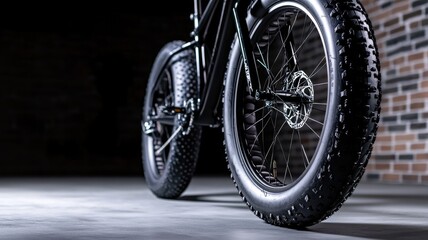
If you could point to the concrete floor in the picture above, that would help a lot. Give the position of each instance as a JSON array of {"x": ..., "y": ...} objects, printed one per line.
[{"x": 123, "y": 208}]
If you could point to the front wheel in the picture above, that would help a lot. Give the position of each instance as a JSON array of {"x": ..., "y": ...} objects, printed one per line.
[{"x": 299, "y": 141}]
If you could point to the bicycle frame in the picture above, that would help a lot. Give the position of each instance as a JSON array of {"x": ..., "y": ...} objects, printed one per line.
[{"x": 218, "y": 22}]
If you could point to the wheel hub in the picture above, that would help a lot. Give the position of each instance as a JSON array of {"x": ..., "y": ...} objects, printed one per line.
[{"x": 297, "y": 113}]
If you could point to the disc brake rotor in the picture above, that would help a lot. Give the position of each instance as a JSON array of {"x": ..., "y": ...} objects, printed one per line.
[{"x": 297, "y": 114}]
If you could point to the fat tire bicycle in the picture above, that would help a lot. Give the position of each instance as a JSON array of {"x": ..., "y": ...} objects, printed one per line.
[{"x": 295, "y": 86}]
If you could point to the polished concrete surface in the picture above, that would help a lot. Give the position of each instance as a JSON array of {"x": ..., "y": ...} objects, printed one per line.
[{"x": 123, "y": 208}]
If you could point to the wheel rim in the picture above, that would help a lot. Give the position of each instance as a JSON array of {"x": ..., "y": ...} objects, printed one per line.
[{"x": 279, "y": 137}]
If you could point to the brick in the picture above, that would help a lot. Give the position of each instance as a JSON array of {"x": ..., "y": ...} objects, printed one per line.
[
  {"x": 419, "y": 66},
  {"x": 412, "y": 178},
  {"x": 397, "y": 128},
  {"x": 386, "y": 4},
  {"x": 396, "y": 30},
  {"x": 419, "y": 95},
  {"x": 396, "y": 40},
  {"x": 391, "y": 22},
  {"x": 424, "y": 84},
  {"x": 422, "y": 156},
  {"x": 400, "y": 7},
  {"x": 405, "y": 157},
  {"x": 417, "y": 126},
  {"x": 412, "y": 15},
  {"x": 417, "y": 146},
  {"x": 389, "y": 118},
  {"x": 405, "y": 69},
  {"x": 415, "y": 25},
  {"x": 373, "y": 176},
  {"x": 381, "y": 138},
  {"x": 391, "y": 72},
  {"x": 417, "y": 106},
  {"x": 421, "y": 44},
  {"x": 423, "y": 136},
  {"x": 390, "y": 90},
  {"x": 386, "y": 148},
  {"x": 399, "y": 108},
  {"x": 381, "y": 35},
  {"x": 391, "y": 177},
  {"x": 417, "y": 34},
  {"x": 419, "y": 167},
  {"x": 405, "y": 78},
  {"x": 409, "y": 87},
  {"x": 419, "y": 3},
  {"x": 424, "y": 179},
  {"x": 384, "y": 157},
  {"x": 416, "y": 56},
  {"x": 410, "y": 116},
  {"x": 379, "y": 17},
  {"x": 401, "y": 167},
  {"x": 405, "y": 137},
  {"x": 400, "y": 147},
  {"x": 402, "y": 49},
  {"x": 401, "y": 98},
  {"x": 382, "y": 166}
]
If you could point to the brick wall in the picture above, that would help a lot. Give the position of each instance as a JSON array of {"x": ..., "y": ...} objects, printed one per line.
[{"x": 401, "y": 149}]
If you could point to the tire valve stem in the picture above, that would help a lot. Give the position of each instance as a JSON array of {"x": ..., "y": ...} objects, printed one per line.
[{"x": 274, "y": 171}]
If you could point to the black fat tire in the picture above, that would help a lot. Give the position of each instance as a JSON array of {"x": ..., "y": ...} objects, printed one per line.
[
  {"x": 351, "y": 124},
  {"x": 180, "y": 162}
]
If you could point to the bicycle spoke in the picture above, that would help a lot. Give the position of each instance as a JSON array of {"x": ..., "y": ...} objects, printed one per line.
[
  {"x": 280, "y": 50},
  {"x": 300, "y": 47},
  {"x": 318, "y": 109},
  {"x": 312, "y": 130},
  {"x": 289, "y": 155},
  {"x": 252, "y": 125},
  {"x": 313, "y": 120},
  {"x": 264, "y": 64},
  {"x": 320, "y": 84},
  {"x": 273, "y": 142},
  {"x": 317, "y": 103},
  {"x": 317, "y": 70},
  {"x": 255, "y": 111},
  {"x": 305, "y": 155},
  {"x": 258, "y": 134}
]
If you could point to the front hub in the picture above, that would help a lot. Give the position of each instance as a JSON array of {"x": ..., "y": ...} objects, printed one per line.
[{"x": 297, "y": 113}]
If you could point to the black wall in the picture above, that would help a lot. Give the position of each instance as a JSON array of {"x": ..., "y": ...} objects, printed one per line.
[{"x": 72, "y": 86}]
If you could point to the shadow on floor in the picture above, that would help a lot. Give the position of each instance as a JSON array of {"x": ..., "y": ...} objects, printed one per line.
[
  {"x": 370, "y": 230},
  {"x": 229, "y": 197}
]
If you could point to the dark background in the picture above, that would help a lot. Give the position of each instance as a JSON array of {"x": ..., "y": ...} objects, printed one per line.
[{"x": 73, "y": 81}]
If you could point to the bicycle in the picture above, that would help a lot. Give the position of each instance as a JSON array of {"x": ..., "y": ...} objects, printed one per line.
[{"x": 295, "y": 86}]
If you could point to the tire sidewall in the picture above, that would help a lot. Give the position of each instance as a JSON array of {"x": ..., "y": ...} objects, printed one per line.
[{"x": 261, "y": 196}]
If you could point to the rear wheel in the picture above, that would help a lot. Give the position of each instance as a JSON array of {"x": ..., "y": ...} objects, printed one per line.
[
  {"x": 169, "y": 166},
  {"x": 298, "y": 143}
]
